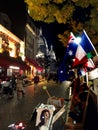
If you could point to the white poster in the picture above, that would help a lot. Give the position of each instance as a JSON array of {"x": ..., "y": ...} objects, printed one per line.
[
  {"x": 9, "y": 72},
  {"x": 44, "y": 117}
]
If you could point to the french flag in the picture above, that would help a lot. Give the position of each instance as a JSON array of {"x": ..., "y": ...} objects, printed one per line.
[{"x": 83, "y": 50}]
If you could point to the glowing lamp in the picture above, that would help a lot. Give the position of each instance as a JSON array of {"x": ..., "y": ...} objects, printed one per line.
[
  {"x": 77, "y": 40},
  {"x": 44, "y": 87}
]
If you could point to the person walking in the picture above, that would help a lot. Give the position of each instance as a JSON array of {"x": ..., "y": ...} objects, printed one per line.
[
  {"x": 36, "y": 81},
  {"x": 19, "y": 87},
  {"x": 13, "y": 81}
]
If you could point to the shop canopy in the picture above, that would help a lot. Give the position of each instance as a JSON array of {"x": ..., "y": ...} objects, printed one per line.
[
  {"x": 6, "y": 61},
  {"x": 34, "y": 63}
]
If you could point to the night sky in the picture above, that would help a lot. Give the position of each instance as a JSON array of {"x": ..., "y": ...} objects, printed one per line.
[
  {"x": 16, "y": 10},
  {"x": 50, "y": 32}
]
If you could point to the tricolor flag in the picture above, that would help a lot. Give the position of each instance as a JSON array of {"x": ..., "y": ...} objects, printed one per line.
[
  {"x": 83, "y": 50},
  {"x": 82, "y": 71},
  {"x": 90, "y": 64},
  {"x": 71, "y": 38}
]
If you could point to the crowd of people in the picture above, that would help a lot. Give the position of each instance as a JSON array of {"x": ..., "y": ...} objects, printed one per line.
[
  {"x": 11, "y": 85},
  {"x": 15, "y": 84}
]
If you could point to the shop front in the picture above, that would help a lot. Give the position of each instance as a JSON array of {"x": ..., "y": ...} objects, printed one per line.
[
  {"x": 10, "y": 66},
  {"x": 35, "y": 68}
]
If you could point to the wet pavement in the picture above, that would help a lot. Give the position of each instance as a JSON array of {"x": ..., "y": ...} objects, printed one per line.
[{"x": 20, "y": 110}]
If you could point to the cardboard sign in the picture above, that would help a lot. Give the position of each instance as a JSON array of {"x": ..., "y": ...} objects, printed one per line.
[{"x": 57, "y": 102}]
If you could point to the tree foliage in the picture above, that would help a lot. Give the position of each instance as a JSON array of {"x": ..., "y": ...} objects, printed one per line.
[{"x": 76, "y": 15}]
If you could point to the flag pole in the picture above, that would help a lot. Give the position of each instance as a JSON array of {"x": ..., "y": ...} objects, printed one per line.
[
  {"x": 87, "y": 78},
  {"x": 90, "y": 42}
]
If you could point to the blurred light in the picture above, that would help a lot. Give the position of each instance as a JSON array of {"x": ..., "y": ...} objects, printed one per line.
[
  {"x": 28, "y": 11},
  {"x": 14, "y": 67},
  {"x": 1, "y": 50},
  {"x": 77, "y": 40},
  {"x": 20, "y": 124},
  {"x": 12, "y": 54},
  {"x": 40, "y": 55},
  {"x": 7, "y": 32}
]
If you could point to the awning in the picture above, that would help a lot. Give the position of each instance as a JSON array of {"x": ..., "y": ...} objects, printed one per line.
[
  {"x": 24, "y": 66},
  {"x": 6, "y": 61},
  {"x": 35, "y": 64},
  {"x": 19, "y": 63}
]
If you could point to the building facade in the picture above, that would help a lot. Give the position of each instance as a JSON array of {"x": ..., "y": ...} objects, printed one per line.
[
  {"x": 12, "y": 54},
  {"x": 18, "y": 56},
  {"x": 31, "y": 47},
  {"x": 23, "y": 52}
]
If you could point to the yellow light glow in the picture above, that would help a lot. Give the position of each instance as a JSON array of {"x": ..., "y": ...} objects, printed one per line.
[
  {"x": 0, "y": 42},
  {"x": 1, "y": 50},
  {"x": 7, "y": 32}
]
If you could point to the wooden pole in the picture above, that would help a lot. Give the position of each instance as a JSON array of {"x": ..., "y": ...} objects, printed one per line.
[
  {"x": 48, "y": 93},
  {"x": 45, "y": 88},
  {"x": 87, "y": 78}
]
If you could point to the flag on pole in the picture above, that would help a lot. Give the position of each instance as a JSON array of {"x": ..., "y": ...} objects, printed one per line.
[
  {"x": 83, "y": 50},
  {"x": 82, "y": 71},
  {"x": 71, "y": 47},
  {"x": 62, "y": 74},
  {"x": 89, "y": 64},
  {"x": 71, "y": 38},
  {"x": 63, "y": 71}
]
